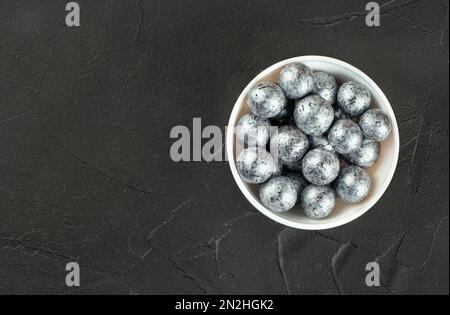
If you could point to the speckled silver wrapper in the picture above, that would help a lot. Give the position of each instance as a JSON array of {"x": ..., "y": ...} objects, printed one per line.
[
  {"x": 325, "y": 86},
  {"x": 375, "y": 125},
  {"x": 296, "y": 80},
  {"x": 291, "y": 143},
  {"x": 354, "y": 98},
  {"x": 345, "y": 136},
  {"x": 253, "y": 131},
  {"x": 313, "y": 115},
  {"x": 320, "y": 167},
  {"x": 256, "y": 165},
  {"x": 278, "y": 194},
  {"x": 366, "y": 155},
  {"x": 299, "y": 182},
  {"x": 266, "y": 100},
  {"x": 353, "y": 184},
  {"x": 320, "y": 142},
  {"x": 318, "y": 201}
]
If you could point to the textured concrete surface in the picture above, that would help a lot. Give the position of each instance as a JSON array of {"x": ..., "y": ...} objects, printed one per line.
[{"x": 85, "y": 172}]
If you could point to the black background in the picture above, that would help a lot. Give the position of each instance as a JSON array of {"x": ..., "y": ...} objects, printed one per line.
[{"x": 86, "y": 176}]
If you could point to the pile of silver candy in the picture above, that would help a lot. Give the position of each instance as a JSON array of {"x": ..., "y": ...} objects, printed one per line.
[{"x": 326, "y": 135}]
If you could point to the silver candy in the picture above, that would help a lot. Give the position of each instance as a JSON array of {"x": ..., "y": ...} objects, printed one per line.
[
  {"x": 345, "y": 136},
  {"x": 320, "y": 142},
  {"x": 320, "y": 167},
  {"x": 299, "y": 182},
  {"x": 318, "y": 201},
  {"x": 290, "y": 143},
  {"x": 325, "y": 86},
  {"x": 366, "y": 155},
  {"x": 278, "y": 194},
  {"x": 353, "y": 184},
  {"x": 296, "y": 80},
  {"x": 266, "y": 100},
  {"x": 375, "y": 125},
  {"x": 353, "y": 98},
  {"x": 256, "y": 165},
  {"x": 253, "y": 131},
  {"x": 313, "y": 115}
]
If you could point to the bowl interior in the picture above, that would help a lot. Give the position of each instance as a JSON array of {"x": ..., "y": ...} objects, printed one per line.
[{"x": 381, "y": 173}]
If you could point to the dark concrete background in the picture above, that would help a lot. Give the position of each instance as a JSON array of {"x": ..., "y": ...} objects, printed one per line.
[{"x": 85, "y": 172}]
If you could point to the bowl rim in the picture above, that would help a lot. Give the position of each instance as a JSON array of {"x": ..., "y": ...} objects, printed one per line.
[{"x": 231, "y": 158}]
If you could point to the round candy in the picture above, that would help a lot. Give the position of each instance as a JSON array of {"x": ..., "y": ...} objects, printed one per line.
[
  {"x": 298, "y": 181},
  {"x": 318, "y": 201},
  {"x": 375, "y": 125},
  {"x": 353, "y": 98},
  {"x": 266, "y": 100},
  {"x": 320, "y": 167},
  {"x": 296, "y": 80},
  {"x": 325, "y": 86},
  {"x": 256, "y": 165},
  {"x": 345, "y": 136},
  {"x": 253, "y": 131},
  {"x": 313, "y": 115},
  {"x": 290, "y": 143},
  {"x": 320, "y": 142},
  {"x": 366, "y": 155},
  {"x": 278, "y": 194},
  {"x": 353, "y": 184}
]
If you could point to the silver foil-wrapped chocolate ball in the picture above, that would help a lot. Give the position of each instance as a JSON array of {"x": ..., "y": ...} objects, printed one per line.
[
  {"x": 278, "y": 194},
  {"x": 256, "y": 165},
  {"x": 296, "y": 80},
  {"x": 313, "y": 115},
  {"x": 320, "y": 167},
  {"x": 253, "y": 131},
  {"x": 325, "y": 86},
  {"x": 353, "y": 184},
  {"x": 317, "y": 201},
  {"x": 290, "y": 143},
  {"x": 299, "y": 182},
  {"x": 354, "y": 98},
  {"x": 345, "y": 136},
  {"x": 366, "y": 155},
  {"x": 375, "y": 125},
  {"x": 320, "y": 142},
  {"x": 266, "y": 100}
]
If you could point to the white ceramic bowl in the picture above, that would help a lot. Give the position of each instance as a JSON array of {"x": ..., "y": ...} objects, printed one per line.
[{"x": 381, "y": 173}]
